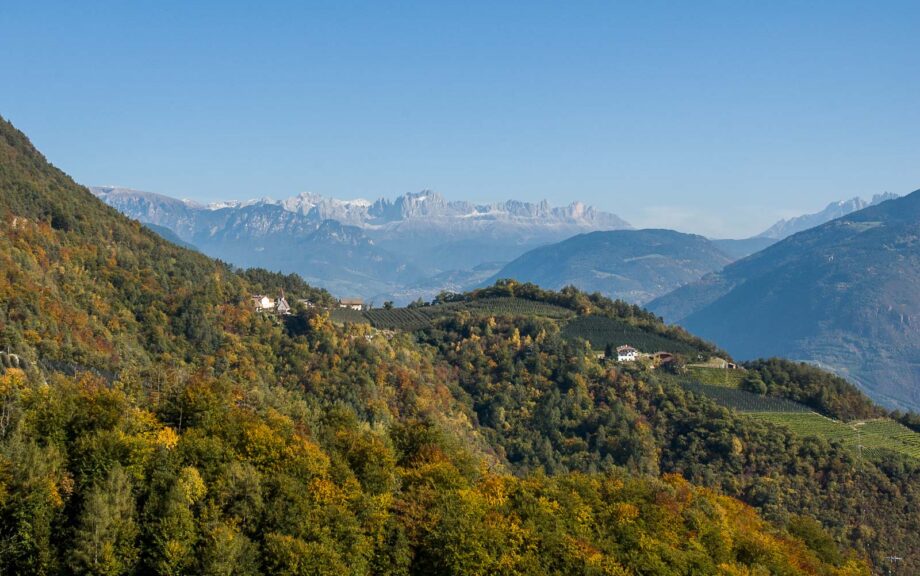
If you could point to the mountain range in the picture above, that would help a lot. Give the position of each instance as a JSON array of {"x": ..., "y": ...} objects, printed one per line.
[
  {"x": 387, "y": 249},
  {"x": 843, "y": 295},
  {"x": 420, "y": 244}
]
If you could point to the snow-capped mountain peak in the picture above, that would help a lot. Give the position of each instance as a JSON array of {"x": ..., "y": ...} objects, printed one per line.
[{"x": 834, "y": 210}]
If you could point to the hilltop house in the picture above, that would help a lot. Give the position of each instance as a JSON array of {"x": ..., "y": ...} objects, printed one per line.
[
  {"x": 627, "y": 353},
  {"x": 282, "y": 307},
  {"x": 263, "y": 303},
  {"x": 352, "y": 303}
]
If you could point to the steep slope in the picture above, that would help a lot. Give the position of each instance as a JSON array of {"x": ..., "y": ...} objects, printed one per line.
[
  {"x": 633, "y": 265},
  {"x": 87, "y": 285},
  {"x": 170, "y": 236},
  {"x": 842, "y": 294}
]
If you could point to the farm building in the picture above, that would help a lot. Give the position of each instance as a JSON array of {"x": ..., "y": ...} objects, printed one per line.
[
  {"x": 352, "y": 303},
  {"x": 282, "y": 307},
  {"x": 263, "y": 303},
  {"x": 627, "y": 353}
]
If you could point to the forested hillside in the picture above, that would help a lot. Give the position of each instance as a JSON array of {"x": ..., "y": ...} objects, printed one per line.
[{"x": 159, "y": 425}]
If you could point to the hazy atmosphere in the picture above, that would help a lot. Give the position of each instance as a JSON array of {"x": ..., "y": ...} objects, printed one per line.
[{"x": 716, "y": 118}]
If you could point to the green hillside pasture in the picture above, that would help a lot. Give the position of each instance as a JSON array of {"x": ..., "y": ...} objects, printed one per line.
[
  {"x": 602, "y": 330},
  {"x": 746, "y": 401},
  {"x": 875, "y": 436},
  {"x": 717, "y": 376}
]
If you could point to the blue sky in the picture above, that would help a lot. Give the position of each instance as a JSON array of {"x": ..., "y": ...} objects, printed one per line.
[{"x": 710, "y": 117}]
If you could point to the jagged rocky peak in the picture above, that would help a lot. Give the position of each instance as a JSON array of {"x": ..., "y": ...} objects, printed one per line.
[
  {"x": 319, "y": 207},
  {"x": 838, "y": 209},
  {"x": 414, "y": 206},
  {"x": 883, "y": 197}
]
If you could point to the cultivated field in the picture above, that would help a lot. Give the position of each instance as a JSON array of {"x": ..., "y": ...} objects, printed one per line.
[
  {"x": 745, "y": 401},
  {"x": 602, "y": 330},
  {"x": 872, "y": 438},
  {"x": 717, "y": 376},
  {"x": 422, "y": 316}
]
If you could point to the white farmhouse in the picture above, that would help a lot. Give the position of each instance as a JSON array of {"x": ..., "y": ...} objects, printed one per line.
[
  {"x": 352, "y": 303},
  {"x": 627, "y": 353},
  {"x": 263, "y": 303}
]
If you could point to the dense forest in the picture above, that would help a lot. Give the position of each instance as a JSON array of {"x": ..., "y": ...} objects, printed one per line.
[{"x": 154, "y": 423}]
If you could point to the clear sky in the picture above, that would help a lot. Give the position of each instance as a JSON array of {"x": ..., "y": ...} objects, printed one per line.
[{"x": 710, "y": 117}]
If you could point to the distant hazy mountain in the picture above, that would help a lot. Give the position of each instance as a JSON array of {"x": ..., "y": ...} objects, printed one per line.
[
  {"x": 402, "y": 249},
  {"x": 785, "y": 228},
  {"x": 741, "y": 248},
  {"x": 737, "y": 249},
  {"x": 634, "y": 265},
  {"x": 844, "y": 294}
]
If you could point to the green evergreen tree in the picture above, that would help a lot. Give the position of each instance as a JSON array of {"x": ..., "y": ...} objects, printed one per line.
[{"x": 106, "y": 539}]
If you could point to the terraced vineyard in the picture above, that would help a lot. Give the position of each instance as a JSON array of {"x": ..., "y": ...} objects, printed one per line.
[
  {"x": 398, "y": 318},
  {"x": 874, "y": 436},
  {"x": 347, "y": 315},
  {"x": 511, "y": 307},
  {"x": 602, "y": 330},
  {"x": 746, "y": 401},
  {"x": 717, "y": 376},
  {"x": 420, "y": 317}
]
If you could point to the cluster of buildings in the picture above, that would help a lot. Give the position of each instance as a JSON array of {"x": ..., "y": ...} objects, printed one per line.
[
  {"x": 280, "y": 306},
  {"x": 627, "y": 353},
  {"x": 263, "y": 303}
]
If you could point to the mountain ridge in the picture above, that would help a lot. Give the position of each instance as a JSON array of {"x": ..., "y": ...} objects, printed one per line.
[
  {"x": 839, "y": 294},
  {"x": 787, "y": 227},
  {"x": 632, "y": 265}
]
